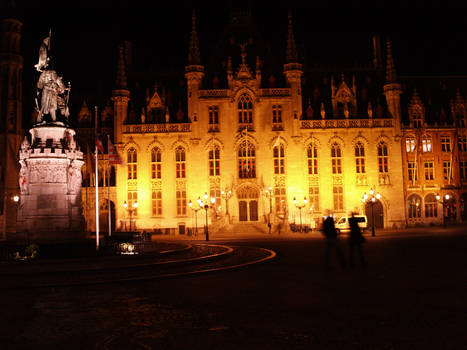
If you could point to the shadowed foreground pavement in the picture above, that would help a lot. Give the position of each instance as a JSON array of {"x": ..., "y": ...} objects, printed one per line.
[{"x": 411, "y": 296}]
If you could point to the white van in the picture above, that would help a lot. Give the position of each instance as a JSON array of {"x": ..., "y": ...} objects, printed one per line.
[{"x": 342, "y": 224}]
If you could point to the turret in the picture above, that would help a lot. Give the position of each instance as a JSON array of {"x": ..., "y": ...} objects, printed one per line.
[
  {"x": 293, "y": 72},
  {"x": 120, "y": 97},
  {"x": 194, "y": 72},
  {"x": 392, "y": 90}
]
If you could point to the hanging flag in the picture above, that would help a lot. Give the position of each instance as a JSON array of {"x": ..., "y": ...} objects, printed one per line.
[
  {"x": 114, "y": 158},
  {"x": 99, "y": 144}
]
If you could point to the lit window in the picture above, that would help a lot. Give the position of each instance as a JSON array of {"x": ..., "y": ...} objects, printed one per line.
[
  {"x": 427, "y": 144},
  {"x": 410, "y": 144},
  {"x": 181, "y": 202},
  {"x": 312, "y": 155},
  {"x": 279, "y": 159},
  {"x": 429, "y": 172},
  {"x": 132, "y": 164},
  {"x": 279, "y": 199},
  {"x": 445, "y": 144},
  {"x": 338, "y": 197},
  {"x": 431, "y": 206},
  {"x": 383, "y": 158},
  {"x": 156, "y": 164},
  {"x": 415, "y": 206},
  {"x": 336, "y": 159},
  {"x": 359, "y": 158},
  {"x": 132, "y": 199},
  {"x": 215, "y": 192},
  {"x": 246, "y": 161},
  {"x": 157, "y": 203},
  {"x": 180, "y": 160},
  {"x": 214, "y": 161},
  {"x": 245, "y": 111}
]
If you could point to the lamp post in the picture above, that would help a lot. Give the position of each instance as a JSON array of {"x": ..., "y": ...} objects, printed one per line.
[
  {"x": 131, "y": 210},
  {"x": 268, "y": 193},
  {"x": 195, "y": 210},
  {"x": 300, "y": 207},
  {"x": 205, "y": 205},
  {"x": 371, "y": 200},
  {"x": 444, "y": 203},
  {"x": 226, "y": 195}
]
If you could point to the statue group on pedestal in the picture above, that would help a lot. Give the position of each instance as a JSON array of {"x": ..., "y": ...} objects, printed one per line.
[{"x": 52, "y": 94}]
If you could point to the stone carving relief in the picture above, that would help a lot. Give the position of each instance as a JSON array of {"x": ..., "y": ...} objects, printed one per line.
[
  {"x": 48, "y": 172},
  {"x": 74, "y": 178}
]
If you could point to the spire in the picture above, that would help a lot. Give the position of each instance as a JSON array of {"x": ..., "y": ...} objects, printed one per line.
[
  {"x": 291, "y": 54},
  {"x": 120, "y": 81},
  {"x": 391, "y": 75},
  {"x": 193, "y": 50}
]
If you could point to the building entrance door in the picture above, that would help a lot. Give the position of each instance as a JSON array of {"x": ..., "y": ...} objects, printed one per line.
[
  {"x": 374, "y": 211},
  {"x": 247, "y": 204}
]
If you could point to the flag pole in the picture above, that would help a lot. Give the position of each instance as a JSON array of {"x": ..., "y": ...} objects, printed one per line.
[
  {"x": 96, "y": 181},
  {"x": 108, "y": 186}
]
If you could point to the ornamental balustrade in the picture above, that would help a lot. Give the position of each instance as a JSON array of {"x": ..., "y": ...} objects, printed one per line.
[
  {"x": 347, "y": 123},
  {"x": 157, "y": 128}
]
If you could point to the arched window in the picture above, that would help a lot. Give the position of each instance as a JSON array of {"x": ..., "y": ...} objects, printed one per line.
[
  {"x": 245, "y": 111},
  {"x": 214, "y": 161},
  {"x": 360, "y": 158},
  {"x": 279, "y": 159},
  {"x": 410, "y": 144},
  {"x": 415, "y": 206},
  {"x": 132, "y": 163},
  {"x": 312, "y": 158},
  {"x": 336, "y": 158},
  {"x": 180, "y": 162},
  {"x": 427, "y": 143},
  {"x": 383, "y": 158},
  {"x": 431, "y": 206},
  {"x": 156, "y": 203},
  {"x": 156, "y": 164},
  {"x": 246, "y": 160}
]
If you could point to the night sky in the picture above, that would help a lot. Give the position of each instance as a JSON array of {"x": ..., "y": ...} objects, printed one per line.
[{"x": 85, "y": 38}]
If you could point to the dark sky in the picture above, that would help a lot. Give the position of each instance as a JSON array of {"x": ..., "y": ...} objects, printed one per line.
[{"x": 426, "y": 40}]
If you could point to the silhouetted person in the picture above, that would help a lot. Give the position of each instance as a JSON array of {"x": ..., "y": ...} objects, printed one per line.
[
  {"x": 355, "y": 241},
  {"x": 332, "y": 243}
]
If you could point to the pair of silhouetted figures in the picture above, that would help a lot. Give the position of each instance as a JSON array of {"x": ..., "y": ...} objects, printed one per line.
[{"x": 332, "y": 243}]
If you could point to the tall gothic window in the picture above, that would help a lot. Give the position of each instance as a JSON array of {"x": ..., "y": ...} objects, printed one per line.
[
  {"x": 180, "y": 162},
  {"x": 213, "y": 115},
  {"x": 132, "y": 163},
  {"x": 383, "y": 158},
  {"x": 410, "y": 144},
  {"x": 245, "y": 111},
  {"x": 156, "y": 164},
  {"x": 277, "y": 117},
  {"x": 338, "y": 196},
  {"x": 429, "y": 171},
  {"x": 279, "y": 159},
  {"x": 415, "y": 206},
  {"x": 132, "y": 199},
  {"x": 156, "y": 203},
  {"x": 246, "y": 160},
  {"x": 336, "y": 159},
  {"x": 360, "y": 158},
  {"x": 314, "y": 197},
  {"x": 181, "y": 202},
  {"x": 279, "y": 199},
  {"x": 312, "y": 158},
  {"x": 431, "y": 206},
  {"x": 214, "y": 161}
]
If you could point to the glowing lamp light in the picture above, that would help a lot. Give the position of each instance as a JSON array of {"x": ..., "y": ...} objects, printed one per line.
[
  {"x": 213, "y": 200},
  {"x": 16, "y": 199},
  {"x": 125, "y": 204},
  {"x": 304, "y": 200},
  {"x": 446, "y": 197},
  {"x": 135, "y": 205},
  {"x": 205, "y": 195},
  {"x": 294, "y": 200},
  {"x": 190, "y": 204},
  {"x": 378, "y": 195},
  {"x": 438, "y": 197},
  {"x": 371, "y": 191}
]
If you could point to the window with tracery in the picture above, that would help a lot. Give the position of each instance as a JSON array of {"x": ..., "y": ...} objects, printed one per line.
[
  {"x": 277, "y": 117},
  {"x": 132, "y": 163},
  {"x": 181, "y": 202},
  {"x": 156, "y": 203},
  {"x": 279, "y": 159},
  {"x": 132, "y": 199},
  {"x": 245, "y": 111},
  {"x": 383, "y": 158},
  {"x": 214, "y": 161},
  {"x": 180, "y": 162},
  {"x": 156, "y": 164},
  {"x": 431, "y": 206},
  {"x": 360, "y": 158},
  {"x": 338, "y": 196},
  {"x": 312, "y": 159},
  {"x": 336, "y": 159},
  {"x": 246, "y": 160},
  {"x": 213, "y": 115},
  {"x": 415, "y": 206},
  {"x": 279, "y": 199}
]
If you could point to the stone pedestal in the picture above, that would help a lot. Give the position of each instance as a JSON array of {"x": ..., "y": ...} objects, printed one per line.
[{"x": 50, "y": 183}]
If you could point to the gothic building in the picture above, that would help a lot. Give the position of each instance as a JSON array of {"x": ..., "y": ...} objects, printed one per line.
[{"x": 270, "y": 140}]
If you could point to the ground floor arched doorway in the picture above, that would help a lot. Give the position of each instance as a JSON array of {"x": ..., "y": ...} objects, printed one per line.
[
  {"x": 374, "y": 213},
  {"x": 247, "y": 203}
]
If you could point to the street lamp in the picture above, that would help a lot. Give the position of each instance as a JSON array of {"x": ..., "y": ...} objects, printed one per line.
[
  {"x": 227, "y": 195},
  {"x": 205, "y": 205},
  {"x": 300, "y": 207},
  {"x": 268, "y": 193},
  {"x": 195, "y": 210},
  {"x": 371, "y": 200},
  {"x": 131, "y": 210},
  {"x": 444, "y": 203}
]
